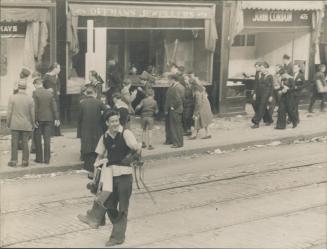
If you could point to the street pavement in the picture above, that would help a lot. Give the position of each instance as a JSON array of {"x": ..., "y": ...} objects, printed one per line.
[
  {"x": 227, "y": 133},
  {"x": 255, "y": 197}
]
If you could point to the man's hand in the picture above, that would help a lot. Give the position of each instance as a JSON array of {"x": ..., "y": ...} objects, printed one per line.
[
  {"x": 254, "y": 97},
  {"x": 270, "y": 99},
  {"x": 57, "y": 123},
  {"x": 172, "y": 108}
]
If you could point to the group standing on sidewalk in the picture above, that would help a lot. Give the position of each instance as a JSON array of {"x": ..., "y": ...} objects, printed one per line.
[{"x": 283, "y": 88}]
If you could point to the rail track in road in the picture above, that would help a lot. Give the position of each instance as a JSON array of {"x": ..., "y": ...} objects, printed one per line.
[{"x": 191, "y": 183}]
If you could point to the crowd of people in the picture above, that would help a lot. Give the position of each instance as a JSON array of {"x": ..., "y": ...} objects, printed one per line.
[
  {"x": 33, "y": 115},
  {"x": 282, "y": 87}
]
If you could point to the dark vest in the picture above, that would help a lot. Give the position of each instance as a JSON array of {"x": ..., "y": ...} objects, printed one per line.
[{"x": 117, "y": 148}]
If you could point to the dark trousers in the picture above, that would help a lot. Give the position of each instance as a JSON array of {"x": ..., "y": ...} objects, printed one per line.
[
  {"x": 187, "y": 120},
  {"x": 44, "y": 130},
  {"x": 176, "y": 128},
  {"x": 89, "y": 159},
  {"x": 296, "y": 107},
  {"x": 122, "y": 190},
  {"x": 261, "y": 110},
  {"x": 286, "y": 106},
  {"x": 316, "y": 95},
  {"x": 15, "y": 135},
  {"x": 167, "y": 130}
]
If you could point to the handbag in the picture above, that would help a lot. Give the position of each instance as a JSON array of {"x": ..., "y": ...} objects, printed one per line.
[{"x": 321, "y": 88}]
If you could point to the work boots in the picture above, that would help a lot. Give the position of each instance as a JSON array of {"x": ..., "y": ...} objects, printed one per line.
[{"x": 94, "y": 217}]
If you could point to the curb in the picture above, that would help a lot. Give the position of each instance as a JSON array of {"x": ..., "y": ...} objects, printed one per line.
[{"x": 78, "y": 166}]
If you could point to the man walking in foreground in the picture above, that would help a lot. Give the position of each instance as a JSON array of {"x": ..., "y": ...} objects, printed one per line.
[
  {"x": 116, "y": 178},
  {"x": 46, "y": 113}
]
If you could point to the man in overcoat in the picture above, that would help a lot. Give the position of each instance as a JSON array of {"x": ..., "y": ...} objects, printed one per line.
[
  {"x": 90, "y": 127},
  {"x": 46, "y": 115}
]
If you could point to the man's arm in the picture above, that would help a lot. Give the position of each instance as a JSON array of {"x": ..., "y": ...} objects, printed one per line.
[{"x": 131, "y": 141}]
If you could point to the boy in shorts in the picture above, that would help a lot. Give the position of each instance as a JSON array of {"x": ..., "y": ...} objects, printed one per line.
[{"x": 148, "y": 107}]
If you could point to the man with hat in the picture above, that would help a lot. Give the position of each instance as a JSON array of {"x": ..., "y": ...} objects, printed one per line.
[
  {"x": 46, "y": 115},
  {"x": 21, "y": 120},
  {"x": 90, "y": 126}
]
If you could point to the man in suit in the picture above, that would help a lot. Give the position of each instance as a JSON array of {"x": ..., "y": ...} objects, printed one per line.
[
  {"x": 262, "y": 96},
  {"x": 90, "y": 127},
  {"x": 174, "y": 111},
  {"x": 21, "y": 120},
  {"x": 46, "y": 114}
]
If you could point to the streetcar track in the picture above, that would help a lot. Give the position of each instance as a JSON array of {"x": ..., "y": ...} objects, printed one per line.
[
  {"x": 212, "y": 202},
  {"x": 65, "y": 202},
  {"x": 185, "y": 234},
  {"x": 231, "y": 225}
]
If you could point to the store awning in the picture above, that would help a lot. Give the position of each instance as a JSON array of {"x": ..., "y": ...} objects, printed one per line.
[
  {"x": 23, "y": 14},
  {"x": 153, "y": 10},
  {"x": 283, "y": 5}
]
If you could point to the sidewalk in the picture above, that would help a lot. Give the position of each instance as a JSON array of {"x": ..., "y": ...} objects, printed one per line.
[{"x": 227, "y": 133}]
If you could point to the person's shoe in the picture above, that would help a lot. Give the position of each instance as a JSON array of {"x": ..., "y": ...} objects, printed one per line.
[
  {"x": 255, "y": 126},
  {"x": 294, "y": 125},
  {"x": 38, "y": 161},
  {"x": 113, "y": 243},
  {"x": 151, "y": 147},
  {"x": 24, "y": 164},
  {"x": 269, "y": 123},
  {"x": 175, "y": 146},
  {"x": 192, "y": 138},
  {"x": 143, "y": 145},
  {"x": 12, "y": 164},
  {"x": 167, "y": 143},
  {"x": 47, "y": 162},
  {"x": 94, "y": 217},
  {"x": 279, "y": 128},
  {"x": 206, "y": 137}
]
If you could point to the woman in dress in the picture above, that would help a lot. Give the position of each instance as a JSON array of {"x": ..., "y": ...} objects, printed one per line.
[{"x": 202, "y": 114}]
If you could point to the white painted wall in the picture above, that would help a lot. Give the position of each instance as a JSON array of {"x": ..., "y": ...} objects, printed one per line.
[{"x": 270, "y": 47}]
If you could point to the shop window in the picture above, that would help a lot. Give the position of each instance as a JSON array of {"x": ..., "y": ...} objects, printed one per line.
[{"x": 244, "y": 40}]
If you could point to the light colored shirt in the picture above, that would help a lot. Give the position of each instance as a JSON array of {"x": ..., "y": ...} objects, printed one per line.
[{"x": 130, "y": 141}]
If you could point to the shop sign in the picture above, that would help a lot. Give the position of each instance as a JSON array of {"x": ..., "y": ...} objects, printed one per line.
[
  {"x": 142, "y": 11},
  {"x": 9, "y": 28},
  {"x": 275, "y": 18}
]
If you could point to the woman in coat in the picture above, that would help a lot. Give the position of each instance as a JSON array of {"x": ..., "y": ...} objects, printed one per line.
[{"x": 202, "y": 114}]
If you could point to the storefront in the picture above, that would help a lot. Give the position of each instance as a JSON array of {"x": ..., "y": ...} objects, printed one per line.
[
  {"x": 137, "y": 36},
  {"x": 267, "y": 30},
  {"x": 27, "y": 40}
]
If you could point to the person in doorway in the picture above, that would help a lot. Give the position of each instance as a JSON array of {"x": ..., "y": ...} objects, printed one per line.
[
  {"x": 148, "y": 108},
  {"x": 128, "y": 97},
  {"x": 202, "y": 111},
  {"x": 262, "y": 96},
  {"x": 114, "y": 80},
  {"x": 46, "y": 115},
  {"x": 320, "y": 76},
  {"x": 298, "y": 87},
  {"x": 173, "y": 112},
  {"x": 90, "y": 127},
  {"x": 122, "y": 108},
  {"x": 51, "y": 82},
  {"x": 21, "y": 121},
  {"x": 288, "y": 65},
  {"x": 113, "y": 199},
  {"x": 287, "y": 102}
]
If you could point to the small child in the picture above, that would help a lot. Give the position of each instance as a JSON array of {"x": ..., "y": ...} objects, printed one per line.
[{"x": 149, "y": 108}]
